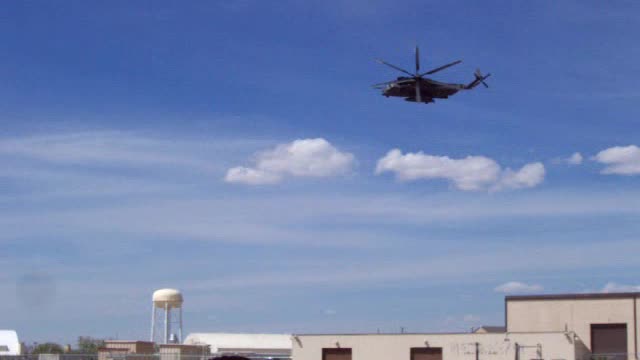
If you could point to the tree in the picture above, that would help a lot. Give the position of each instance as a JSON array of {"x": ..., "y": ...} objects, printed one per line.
[
  {"x": 47, "y": 348},
  {"x": 89, "y": 345}
]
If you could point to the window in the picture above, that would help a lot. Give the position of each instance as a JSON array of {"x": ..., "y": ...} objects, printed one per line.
[{"x": 4, "y": 348}]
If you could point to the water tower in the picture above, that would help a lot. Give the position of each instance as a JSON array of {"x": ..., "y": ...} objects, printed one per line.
[{"x": 166, "y": 310}]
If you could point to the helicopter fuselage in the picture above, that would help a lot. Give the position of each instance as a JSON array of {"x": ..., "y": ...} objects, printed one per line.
[{"x": 430, "y": 89}]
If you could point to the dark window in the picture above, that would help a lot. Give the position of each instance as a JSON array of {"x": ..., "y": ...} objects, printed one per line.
[
  {"x": 426, "y": 353},
  {"x": 336, "y": 354},
  {"x": 609, "y": 339}
]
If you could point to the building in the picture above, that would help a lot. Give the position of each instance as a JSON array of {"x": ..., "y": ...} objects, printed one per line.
[
  {"x": 260, "y": 344},
  {"x": 182, "y": 351},
  {"x": 9, "y": 344},
  {"x": 542, "y": 327},
  {"x": 602, "y": 323},
  {"x": 121, "y": 348}
]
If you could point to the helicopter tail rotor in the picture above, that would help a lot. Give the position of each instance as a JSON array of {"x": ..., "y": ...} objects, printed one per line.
[{"x": 479, "y": 79}]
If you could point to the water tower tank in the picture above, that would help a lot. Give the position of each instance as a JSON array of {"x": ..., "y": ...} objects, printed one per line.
[
  {"x": 169, "y": 303},
  {"x": 167, "y": 297}
]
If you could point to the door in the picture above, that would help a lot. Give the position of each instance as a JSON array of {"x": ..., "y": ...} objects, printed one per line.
[
  {"x": 336, "y": 354},
  {"x": 426, "y": 353},
  {"x": 609, "y": 339}
]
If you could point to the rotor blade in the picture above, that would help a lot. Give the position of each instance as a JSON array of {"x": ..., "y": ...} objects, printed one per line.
[
  {"x": 441, "y": 68},
  {"x": 383, "y": 83},
  {"x": 483, "y": 79},
  {"x": 418, "y": 94},
  {"x": 392, "y": 82},
  {"x": 417, "y": 60},
  {"x": 395, "y": 67}
]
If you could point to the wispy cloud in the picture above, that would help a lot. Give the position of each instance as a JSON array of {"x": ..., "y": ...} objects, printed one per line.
[
  {"x": 111, "y": 163},
  {"x": 102, "y": 148},
  {"x": 574, "y": 159},
  {"x": 329, "y": 312},
  {"x": 612, "y": 287},
  {"x": 471, "y": 319},
  {"x": 290, "y": 218},
  {"x": 435, "y": 269},
  {"x": 517, "y": 287}
]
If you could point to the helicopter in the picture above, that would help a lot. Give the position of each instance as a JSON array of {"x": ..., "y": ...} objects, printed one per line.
[{"x": 417, "y": 88}]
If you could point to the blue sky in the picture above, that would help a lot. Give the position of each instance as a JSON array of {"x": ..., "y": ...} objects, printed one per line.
[{"x": 235, "y": 150}]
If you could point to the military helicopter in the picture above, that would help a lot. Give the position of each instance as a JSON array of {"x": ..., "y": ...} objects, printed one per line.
[{"x": 416, "y": 88}]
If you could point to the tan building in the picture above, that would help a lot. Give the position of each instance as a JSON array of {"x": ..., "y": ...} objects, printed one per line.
[
  {"x": 474, "y": 346},
  {"x": 120, "y": 348},
  {"x": 544, "y": 327},
  {"x": 184, "y": 352},
  {"x": 603, "y": 323}
]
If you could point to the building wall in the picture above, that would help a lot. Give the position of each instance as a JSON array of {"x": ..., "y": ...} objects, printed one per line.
[
  {"x": 575, "y": 315},
  {"x": 184, "y": 349},
  {"x": 553, "y": 346},
  {"x": 276, "y": 344},
  {"x": 9, "y": 344},
  {"x": 184, "y": 352},
  {"x": 107, "y": 353},
  {"x": 133, "y": 347}
]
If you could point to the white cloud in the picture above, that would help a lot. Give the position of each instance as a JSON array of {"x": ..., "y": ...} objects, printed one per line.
[
  {"x": 621, "y": 160},
  {"x": 301, "y": 158},
  {"x": 469, "y": 173},
  {"x": 516, "y": 287},
  {"x": 612, "y": 287},
  {"x": 250, "y": 176},
  {"x": 528, "y": 176},
  {"x": 575, "y": 159}
]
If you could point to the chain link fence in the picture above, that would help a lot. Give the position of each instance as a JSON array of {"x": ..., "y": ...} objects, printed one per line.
[{"x": 157, "y": 356}]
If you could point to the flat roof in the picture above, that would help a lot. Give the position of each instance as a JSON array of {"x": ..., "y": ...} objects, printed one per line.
[
  {"x": 432, "y": 333},
  {"x": 586, "y": 296},
  {"x": 183, "y": 345}
]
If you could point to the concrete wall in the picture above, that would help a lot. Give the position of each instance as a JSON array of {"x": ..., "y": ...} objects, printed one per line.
[
  {"x": 575, "y": 315},
  {"x": 554, "y": 346}
]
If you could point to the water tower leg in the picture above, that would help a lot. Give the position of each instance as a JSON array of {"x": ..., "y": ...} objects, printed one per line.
[
  {"x": 166, "y": 323},
  {"x": 153, "y": 322},
  {"x": 180, "y": 330}
]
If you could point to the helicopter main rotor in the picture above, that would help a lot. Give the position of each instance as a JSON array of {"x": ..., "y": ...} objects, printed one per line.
[{"x": 417, "y": 77}]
